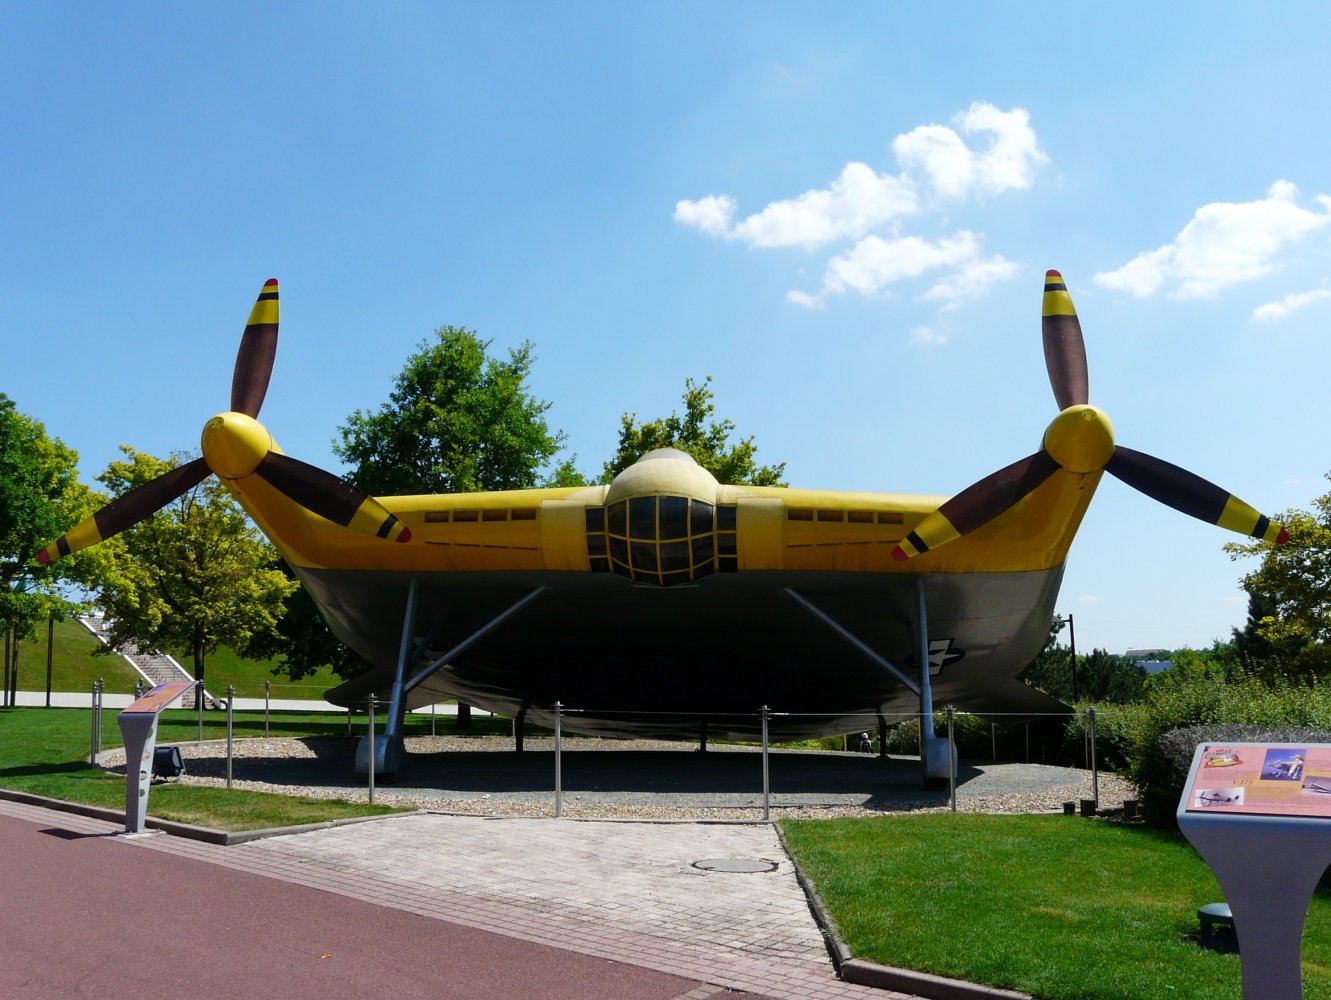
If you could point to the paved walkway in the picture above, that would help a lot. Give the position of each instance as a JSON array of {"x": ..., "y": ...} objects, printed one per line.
[{"x": 538, "y": 896}]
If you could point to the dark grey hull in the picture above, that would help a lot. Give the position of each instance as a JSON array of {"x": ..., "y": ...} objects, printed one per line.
[{"x": 650, "y": 661}]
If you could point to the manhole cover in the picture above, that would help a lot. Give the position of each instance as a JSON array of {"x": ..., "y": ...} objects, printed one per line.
[{"x": 736, "y": 865}]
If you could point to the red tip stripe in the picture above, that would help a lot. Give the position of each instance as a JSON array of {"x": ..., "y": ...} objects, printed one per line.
[
  {"x": 270, "y": 281},
  {"x": 405, "y": 536},
  {"x": 899, "y": 554},
  {"x": 1052, "y": 274},
  {"x": 1283, "y": 537}
]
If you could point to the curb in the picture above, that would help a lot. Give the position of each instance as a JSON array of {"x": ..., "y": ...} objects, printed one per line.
[
  {"x": 884, "y": 977},
  {"x": 188, "y": 831}
]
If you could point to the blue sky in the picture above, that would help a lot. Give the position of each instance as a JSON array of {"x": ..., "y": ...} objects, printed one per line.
[{"x": 843, "y": 213}]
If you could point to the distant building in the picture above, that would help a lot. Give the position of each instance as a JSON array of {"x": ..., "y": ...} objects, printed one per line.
[{"x": 1151, "y": 660}]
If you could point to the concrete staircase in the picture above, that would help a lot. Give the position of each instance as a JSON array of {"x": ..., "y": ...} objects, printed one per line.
[{"x": 154, "y": 667}]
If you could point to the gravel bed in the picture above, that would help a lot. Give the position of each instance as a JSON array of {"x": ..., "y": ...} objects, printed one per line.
[{"x": 837, "y": 785}]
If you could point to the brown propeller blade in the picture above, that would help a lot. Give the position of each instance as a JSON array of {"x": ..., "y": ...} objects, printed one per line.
[
  {"x": 977, "y": 504},
  {"x": 330, "y": 496},
  {"x": 1064, "y": 347},
  {"x": 258, "y": 349},
  {"x": 128, "y": 510},
  {"x": 1190, "y": 494}
]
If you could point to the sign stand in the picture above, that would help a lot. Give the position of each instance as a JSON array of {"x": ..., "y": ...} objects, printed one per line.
[
  {"x": 1260, "y": 816},
  {"x": 138, "y": 726}
]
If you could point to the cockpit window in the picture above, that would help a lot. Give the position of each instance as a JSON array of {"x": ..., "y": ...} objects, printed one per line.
[{"x": 661, "y": 539}]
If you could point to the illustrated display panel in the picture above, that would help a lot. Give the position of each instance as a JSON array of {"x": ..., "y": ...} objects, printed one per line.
[{"x": 1263, "y": 780}]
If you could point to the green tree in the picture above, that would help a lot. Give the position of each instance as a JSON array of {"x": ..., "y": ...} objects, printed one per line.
[
  {"x": 194, "y": 576},
  {"x": 1295, "y": 577},
  {"x": 456, "y": 421},
  {"x": 40, "y": 497},
  {"x": 698, "y": 433},
  {"x": 302, "y": 641},
  {"x": 1290, "y": 592}
]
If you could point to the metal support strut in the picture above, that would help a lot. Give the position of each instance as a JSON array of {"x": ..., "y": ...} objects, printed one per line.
[
  {"x": 389, "y": 745},
  {"x": 935, "y": 753}
]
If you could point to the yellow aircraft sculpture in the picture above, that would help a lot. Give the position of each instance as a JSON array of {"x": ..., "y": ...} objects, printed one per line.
[{"x": 667, "y": 603}]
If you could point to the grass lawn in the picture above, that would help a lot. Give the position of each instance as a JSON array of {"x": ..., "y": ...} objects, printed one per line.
[
  {"x": 42, "y": 751},
  {"x": 74, "y": 667},
  {"x": 1063, "y": 909}
]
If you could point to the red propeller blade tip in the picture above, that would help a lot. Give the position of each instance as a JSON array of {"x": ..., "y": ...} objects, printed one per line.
[
  {"x": 43, "y": 557},
  {"x": 405, "y": 536},
  {"x": 1283, "y": 537},
  {"x": 899, "y": 554},
  {"x": 270, "y": 281}
]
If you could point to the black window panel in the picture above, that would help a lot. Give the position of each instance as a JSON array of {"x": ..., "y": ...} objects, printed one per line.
[
  {"x": 725, "y": 545},
  {"x": 702, "y": 549},
  {"x": 642, "y": 517},
  {"x": 674, "y": 514},
  {"x": 621, "y": 570},
  {"x": 644, "y": 556},
  {"x": 619, "y": 550},
  {"x": 671, "y": 579},
  {"x": 725, "y": 519},
  {"x": 702, "y": 518},
  {"x": 728, "y": 565},
  {"x": 703, "y": 569},
  {"x": 596, "y": 545},
  {"x": 618, "y": 518},
  {"x": 600, "y": 565},
  {"x": 674, "y": 556},
  {"x": 595, "y": 519}
]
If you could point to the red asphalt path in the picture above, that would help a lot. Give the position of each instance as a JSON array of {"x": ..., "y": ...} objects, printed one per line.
[{"x": 83, "y": 913}]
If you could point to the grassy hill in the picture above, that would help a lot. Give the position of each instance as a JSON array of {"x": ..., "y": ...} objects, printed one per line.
[{"x": 76, "y": 663}]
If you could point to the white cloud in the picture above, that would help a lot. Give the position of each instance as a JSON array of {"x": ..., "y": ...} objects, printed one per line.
[
  {"x": 875, "y": 262},
  {"x": 1223, "y": 245},
  {"x": 974, "y": 279},
  {"x": 928, "y": 336},
  {"x": 711, "y": 214},
  {"x": 1274, "y": 311},
  {"x": 853, "y": 204},
  {"x": 955, "y": 170},
  {"x": 861, "y": 202},
  {"x": 1088, "y": 599}
]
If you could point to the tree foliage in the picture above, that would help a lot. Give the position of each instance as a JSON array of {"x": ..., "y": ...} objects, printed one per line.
[
  {"x": 40, "y": 497},
  {"x": 456, "y": 421},
  {"x": 193, "y": 576},
  {"x": 698, "y": 433},
  {"x": 1294, "y": 579},
  {"x": 302, "y": 642},
  {"x": 1101, "y": 677}
]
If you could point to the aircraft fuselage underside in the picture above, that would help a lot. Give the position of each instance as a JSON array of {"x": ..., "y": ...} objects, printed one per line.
[{"x": 633, "y": 660}]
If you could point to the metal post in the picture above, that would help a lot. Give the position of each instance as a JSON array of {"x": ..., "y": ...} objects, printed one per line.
[
  {"x": 370, "y": 737},
  {"x": 767, "y": 789},
  {"x": 1072, "y": 644},
  {"x": 50, "y": 648},
  {"x": 4, "y": 691},
  {"x": 993, "y": 740},
  {"x": 267, "y": 698},
  {"x": 348, "y": 720},
  {"x": 559, "y": 777},
  {"x": 1095, "y": 775},
  {"x": 951, "y": 757},
  {"x": 198, "y": 704},
  {"x": 92, "y": 721},
  {"x": 230, "y": 701},
  {"x": 432, "y": 706}
]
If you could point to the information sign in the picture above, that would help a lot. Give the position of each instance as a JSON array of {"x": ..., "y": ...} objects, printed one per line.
[{"x": 1262, "y": 780}]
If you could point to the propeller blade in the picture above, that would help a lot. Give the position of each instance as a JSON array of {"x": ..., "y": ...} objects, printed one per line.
[
  {"x": 1064, "y": 348},
  {"x": 977, "y": 505},
  {"x": 128, "y": 510},
  {"x": 1191, "y": 494},
  {"x": 330, "y": 497},
  {"x": 258, "y": 348}
]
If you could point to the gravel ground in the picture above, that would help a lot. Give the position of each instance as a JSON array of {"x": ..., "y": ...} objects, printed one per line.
[{"x": 636, "y": 780}]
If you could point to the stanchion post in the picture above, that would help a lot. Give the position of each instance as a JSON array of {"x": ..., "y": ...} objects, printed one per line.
[
  {"x": 767, "y": 789},
  {"x": 1095, "y": 774},
  {"x": 94, "y": 722},
  {"x": 370, "y": 737},
  {"x": 198, "y": 703},
  {"x": 559, "y": 777},
  {"x": 952, "y": 757},
  {"x": 267, "y": 699},
  {"x": 230, "y": 702},
  {"x": 432, "y": 707}
]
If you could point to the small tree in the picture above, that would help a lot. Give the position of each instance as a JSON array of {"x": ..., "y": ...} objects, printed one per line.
[
  {"x": 698, "y": 433},
  {"x": 40, "y": 497},
  {"x": 192, "y": 577},
  {"x": 456, "y": 421}
]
